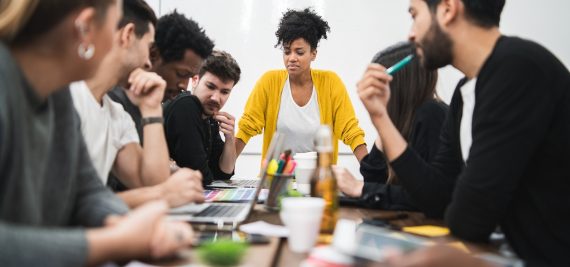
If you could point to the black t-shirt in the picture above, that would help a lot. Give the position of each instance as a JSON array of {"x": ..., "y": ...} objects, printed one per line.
[
  {"x": 193, "y": 141},
  {"x": 517, "y": 173}
]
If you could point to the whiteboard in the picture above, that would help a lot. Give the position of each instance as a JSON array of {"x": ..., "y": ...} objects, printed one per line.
[{"x": 359, "y": 29}]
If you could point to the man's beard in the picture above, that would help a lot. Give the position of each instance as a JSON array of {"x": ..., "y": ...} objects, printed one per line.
[
  {"x": 215, "y": 106},
  {"x": 436, "y": 48}
]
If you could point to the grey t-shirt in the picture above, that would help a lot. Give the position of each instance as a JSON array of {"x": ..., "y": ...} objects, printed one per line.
[{"x": 49, "y": 190}]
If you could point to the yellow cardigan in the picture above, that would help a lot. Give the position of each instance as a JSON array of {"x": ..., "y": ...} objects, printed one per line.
[{"x": 262, "y": 108}]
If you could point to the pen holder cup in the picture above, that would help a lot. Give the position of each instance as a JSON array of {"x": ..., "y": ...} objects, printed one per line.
[{"x": 278, "y": 185}]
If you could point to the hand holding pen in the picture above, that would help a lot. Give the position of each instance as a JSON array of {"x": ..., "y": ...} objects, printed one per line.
[
  {"x": 227, "y": 124},
  {"x": 374, "y": 87}
]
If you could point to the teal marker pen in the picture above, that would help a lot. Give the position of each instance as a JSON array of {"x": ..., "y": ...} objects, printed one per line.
[{"x": 396, "y": 67}]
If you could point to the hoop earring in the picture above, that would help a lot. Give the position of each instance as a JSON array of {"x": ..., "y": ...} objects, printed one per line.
[{"x": 86, "y": 53}]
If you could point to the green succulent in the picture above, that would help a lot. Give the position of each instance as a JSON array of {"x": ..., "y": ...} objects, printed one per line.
[
  {"x": 289, "y": 193},
  {"x": 223, "y": 252},
  {"x": 294, "y": 193}
]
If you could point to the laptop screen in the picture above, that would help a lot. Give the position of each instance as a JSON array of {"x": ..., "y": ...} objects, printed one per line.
[{"x": 275, "y": 148}]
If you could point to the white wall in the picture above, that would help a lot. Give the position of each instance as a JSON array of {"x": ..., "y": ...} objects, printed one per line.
[{"x": 359, "y": 29}]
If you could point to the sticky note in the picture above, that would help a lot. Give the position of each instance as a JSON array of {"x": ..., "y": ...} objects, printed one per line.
[
  {"x": 427, "y": 230},
  {"x": 325, "y": 239}
]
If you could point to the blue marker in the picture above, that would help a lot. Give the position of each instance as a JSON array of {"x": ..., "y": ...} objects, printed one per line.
[{"x": 396, "y": 67}]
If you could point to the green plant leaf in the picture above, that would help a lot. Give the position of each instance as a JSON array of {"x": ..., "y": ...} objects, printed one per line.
[{"x": 222, "y": 252}]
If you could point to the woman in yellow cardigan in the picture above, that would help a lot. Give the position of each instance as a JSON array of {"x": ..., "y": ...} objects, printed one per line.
[{"x": 295, "y": 101}]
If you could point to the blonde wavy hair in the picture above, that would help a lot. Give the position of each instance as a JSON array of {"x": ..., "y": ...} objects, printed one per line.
[{"x": 13, "y": 17}]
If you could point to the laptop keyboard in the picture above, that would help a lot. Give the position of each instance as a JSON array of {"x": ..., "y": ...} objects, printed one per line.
[
  {"x": 229, "y": 195},
  {"x": 245, "y": 183},
  {"x": 226, "y": 211}
]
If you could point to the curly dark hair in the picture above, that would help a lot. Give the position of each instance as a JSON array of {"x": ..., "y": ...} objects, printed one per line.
[
  {"x": 304, "y": 24},
  {"x": 175, "y": 34},
  {"x": 223, "y": 65}
]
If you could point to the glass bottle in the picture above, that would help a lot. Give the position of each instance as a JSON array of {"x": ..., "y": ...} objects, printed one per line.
[{"x": 323, "y": 181}]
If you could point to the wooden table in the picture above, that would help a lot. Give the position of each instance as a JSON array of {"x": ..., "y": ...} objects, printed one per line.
[
  {"x": 285, "y": 257},
  {"x": 277, "y": 252},
  {"x": 288, "y": 258}
]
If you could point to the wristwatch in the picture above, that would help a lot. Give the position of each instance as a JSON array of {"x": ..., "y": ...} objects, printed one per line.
[{"x": 151, "y": 120}]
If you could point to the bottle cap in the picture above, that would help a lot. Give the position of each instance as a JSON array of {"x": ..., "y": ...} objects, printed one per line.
[{"x": 323, "y": 139}]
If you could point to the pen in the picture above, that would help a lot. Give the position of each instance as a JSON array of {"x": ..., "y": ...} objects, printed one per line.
[
  {"x": 280, "y": 166},
  {"x": 396, "y": 67},
  {"x": 289, "y": 167}
]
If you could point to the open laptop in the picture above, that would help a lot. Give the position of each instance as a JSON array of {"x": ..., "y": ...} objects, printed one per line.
[
  {"x": 234, "y": 183},
  {"x": 227, "y": 213}
]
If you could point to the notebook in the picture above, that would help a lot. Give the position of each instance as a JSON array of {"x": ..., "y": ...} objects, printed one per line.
[{"x": 227, "y": 213}]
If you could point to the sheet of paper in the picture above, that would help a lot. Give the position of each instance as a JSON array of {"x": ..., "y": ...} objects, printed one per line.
[
  {"x": 140, "y": 264},
  {"x": 263, "y": 228}
]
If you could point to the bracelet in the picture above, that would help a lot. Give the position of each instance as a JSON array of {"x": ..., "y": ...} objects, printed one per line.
[{"x": 151, "y": 120}]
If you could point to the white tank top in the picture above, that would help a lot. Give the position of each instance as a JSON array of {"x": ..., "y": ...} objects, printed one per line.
[{"x": 299, "y": 124}]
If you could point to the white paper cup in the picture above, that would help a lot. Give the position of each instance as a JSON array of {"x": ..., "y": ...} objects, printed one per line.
[
  {"x": 303, "y": 179},
  {"x": 306, "y": 160},
  {"x": 302, "y": 216}
]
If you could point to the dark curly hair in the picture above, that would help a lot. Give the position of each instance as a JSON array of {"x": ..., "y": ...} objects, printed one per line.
[
  {"x": 222, "y": 65},
  {"x": 304, "y": 24},
  {"x": 175, "y": 34}
]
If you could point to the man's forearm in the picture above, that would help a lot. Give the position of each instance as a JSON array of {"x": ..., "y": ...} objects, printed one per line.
[
  {"x": 155, "y": 167},
  {"x": 229, "y": 156},
  {"x": 240, "y": 145},
  {"x": 139, "y": 196}
]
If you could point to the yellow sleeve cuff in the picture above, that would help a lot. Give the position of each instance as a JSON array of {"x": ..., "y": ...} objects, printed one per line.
[
  {"x": 243, "y": 136},
  {"x": 359, "y": 140}
]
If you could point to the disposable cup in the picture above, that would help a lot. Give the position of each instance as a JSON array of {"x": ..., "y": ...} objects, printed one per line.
[{"x": 302, "y": 216}]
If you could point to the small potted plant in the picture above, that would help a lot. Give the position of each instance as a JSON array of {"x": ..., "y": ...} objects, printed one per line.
[{"x": 223, "y": 252}]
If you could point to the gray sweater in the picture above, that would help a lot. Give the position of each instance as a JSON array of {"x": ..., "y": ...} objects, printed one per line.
[{"x": 49, "y": 190}]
